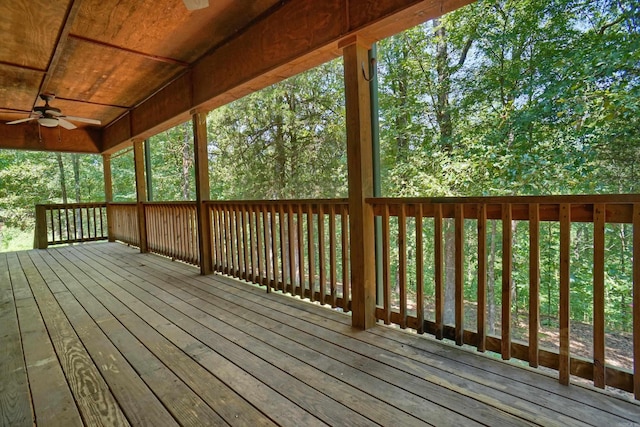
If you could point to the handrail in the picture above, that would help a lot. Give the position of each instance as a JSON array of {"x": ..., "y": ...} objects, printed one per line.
[
  {"x": 444, "y": 228},
  {"x": 62, "y": 223},
  {"x": 301, "y": 247}
]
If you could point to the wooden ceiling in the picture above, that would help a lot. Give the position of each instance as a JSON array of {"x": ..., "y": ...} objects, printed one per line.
[{"x": 141, "y": 66}]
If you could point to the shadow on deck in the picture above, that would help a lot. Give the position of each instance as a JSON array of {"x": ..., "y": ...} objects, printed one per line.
[{"x": 101, "y": 334}]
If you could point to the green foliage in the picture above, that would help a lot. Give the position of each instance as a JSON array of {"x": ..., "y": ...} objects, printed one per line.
[{"x": 286, "y": 141}]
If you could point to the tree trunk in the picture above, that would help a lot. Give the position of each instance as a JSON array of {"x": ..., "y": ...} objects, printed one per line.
[
  {"x": 63, "y": 181},
  {"x": 186, "y": 163},
  {"x": 76, "y": 176}
]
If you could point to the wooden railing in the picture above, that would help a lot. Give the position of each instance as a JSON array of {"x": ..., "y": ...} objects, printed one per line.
[
  {"x": 299, "y": 246},
  {"x": 462, "y": 235},
  {"x": 69, "y": 223},
  {"x": 172, "y": 230},
  {"x": 123, "y": 223},
  {"x": 450, "y": 267}
]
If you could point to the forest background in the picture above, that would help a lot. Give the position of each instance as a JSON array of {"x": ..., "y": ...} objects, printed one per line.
[{"x": 518, "y": 97}]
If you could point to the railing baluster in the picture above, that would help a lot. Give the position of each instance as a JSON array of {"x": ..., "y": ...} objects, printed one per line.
[
  {"x": 437, "y": 248},
  {"x": 332, "y": 255},
  {"x": 402, "y": 263},
  {"x": 386, "y": 266},
  {"x": 636, "y": 300},
  {"x": 482, "y": 278},
  {"x": 283, "y": 248},
  {"x": 291, "y": 247},
  {"x": 265, "y": 232},
  {"x": 274, "y": 248},
  {"x": 507, "y": 262},
  {"x": 300, "y": 253},
  {"x": 311, "y": 252},
  {"x": 534, "y": 282},
  {"x": 251, "y": 273},
  {"x": 459, "y": 274},
  {"x": 598, "y": 295},
  {"x": 228, "y": 239},
  {"x": 419, "y": 270},
  {"x": 564, "y": 367},
  {"x": 257, "y": 239},
  {"x": 321, "y": 253},
  {"x": 346, "y": 285}
]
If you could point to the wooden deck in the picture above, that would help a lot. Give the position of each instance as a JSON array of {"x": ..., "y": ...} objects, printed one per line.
[{"x": 99, "y": 334}]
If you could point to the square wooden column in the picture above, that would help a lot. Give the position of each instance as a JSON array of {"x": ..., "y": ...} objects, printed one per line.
[
  {"x": 201, "y": 162},
  {"x": 360, "y": 170},
  {"x": 141, "y": 192},
  {"x": 108, "y": 190}
]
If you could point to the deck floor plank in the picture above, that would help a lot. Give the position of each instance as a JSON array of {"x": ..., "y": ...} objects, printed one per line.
[
  {"x": 95, "y": 401},
  {"x": 534, "y": 388},
  {"x": 234, "y": 347},
  {"x": 53, "y": 402},
  {"x": 191, "y": 385},
  {"x": 182, "y": 402},
  {"x": 15, "y": 408},
  {"x": 361, "y": 372},
  {"x": 138, "y": 402},
  {"x": 165, "y": 345}
]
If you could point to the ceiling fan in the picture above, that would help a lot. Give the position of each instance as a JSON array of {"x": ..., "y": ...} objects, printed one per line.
[{"x": 51, "y": 117}]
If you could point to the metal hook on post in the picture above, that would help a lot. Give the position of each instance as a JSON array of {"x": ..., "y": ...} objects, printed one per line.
[{"x": 372, "y": 65}]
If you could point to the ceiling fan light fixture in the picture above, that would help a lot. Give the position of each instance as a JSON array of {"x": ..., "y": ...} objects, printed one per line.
[
  {"x": 49, "y": 122},
  {"x": 196, "y": 4}
]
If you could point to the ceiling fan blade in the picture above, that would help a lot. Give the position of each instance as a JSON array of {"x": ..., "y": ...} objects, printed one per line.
[
  {"x": 196, "y": 4},
  {"x": 15, "y": 122},
  {"x": 65, "y": 124},
  {"x": 56, "y": 112},
  {"x": 82, "y": 120}
]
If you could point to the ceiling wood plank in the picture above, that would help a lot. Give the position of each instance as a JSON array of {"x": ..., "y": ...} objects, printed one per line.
[{"x": 29, "y": 31}]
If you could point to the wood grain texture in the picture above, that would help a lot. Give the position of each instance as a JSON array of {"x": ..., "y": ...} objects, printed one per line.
[
  {"x": 15, "y": 406},
  {"x": 95, "y": 401},
  {"x": 179, "y": 329}
]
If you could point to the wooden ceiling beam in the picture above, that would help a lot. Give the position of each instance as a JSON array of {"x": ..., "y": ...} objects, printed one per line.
[
  {"x": 295, "y": 37},
  {"x": 27, "y": 137}
]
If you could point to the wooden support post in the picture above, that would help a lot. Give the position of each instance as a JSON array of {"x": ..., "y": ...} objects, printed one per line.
[
  {"x": 141, "y": 192},
  {"x": 360, "y": 170},
  {"x": 40, "y": 235},
  {"x": 108, "y": 192},
  {"x": 201, "y": 162}
]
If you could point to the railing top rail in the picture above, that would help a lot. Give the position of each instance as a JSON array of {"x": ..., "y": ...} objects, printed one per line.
[
  {"x": 279, "y": 202},
  {"x": 72, "y": 205},
  {"x": 170, "y": 203},
  {"x": 555, "y": 199}
]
